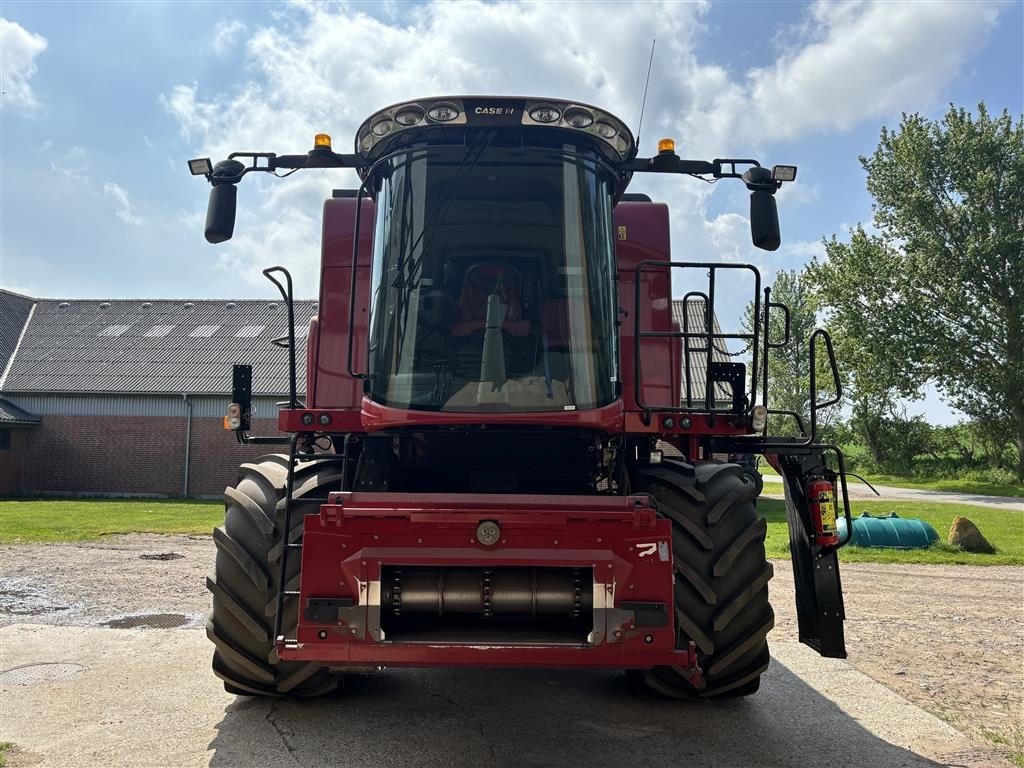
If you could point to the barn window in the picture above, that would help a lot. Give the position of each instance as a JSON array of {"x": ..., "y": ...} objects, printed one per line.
[
  {"x": 114, "y": 330},
  {"x": 204, "y": 331},
  {"x": 5, "y": 439},
  {"x": 249, "y": 331}
]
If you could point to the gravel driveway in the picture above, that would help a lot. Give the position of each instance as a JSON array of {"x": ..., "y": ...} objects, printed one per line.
[
  {"x": 858, "y": 490},
  {"x": 947, "y": 638}
]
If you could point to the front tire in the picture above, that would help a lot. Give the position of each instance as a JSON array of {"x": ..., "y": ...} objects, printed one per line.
[
  {"x": 247, "y": 578},
  {"x": 721, "y": 575}
]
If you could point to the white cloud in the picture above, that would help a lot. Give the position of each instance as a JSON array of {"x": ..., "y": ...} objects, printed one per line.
[
  {"x": 327, "y": 67},
  {"x": 225, "y": 35},
  {"x": 866, "y": 60},
  {"x": 124, "y": 205},
  {"x": 18, "y": 51},
  {"x": 73, "y": 165}
]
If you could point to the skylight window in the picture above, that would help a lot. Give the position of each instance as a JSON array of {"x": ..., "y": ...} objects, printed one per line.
[
  {"x": 249, "y": 331},
  {"x": 114, "y": 330},
  {"x": 204, "y": 331},
  {"x": 158, "y": 331}
]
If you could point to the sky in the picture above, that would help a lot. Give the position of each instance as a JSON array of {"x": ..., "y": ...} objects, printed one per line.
[{"x": 102, "y": 104}]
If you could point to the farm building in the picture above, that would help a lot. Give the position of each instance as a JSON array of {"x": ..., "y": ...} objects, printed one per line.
[{"x": 126, "y": 397}]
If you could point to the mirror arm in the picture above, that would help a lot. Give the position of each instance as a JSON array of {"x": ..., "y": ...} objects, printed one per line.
[
  {"x": 756, "y": 178},
  {"x": 316, "y": 158}
]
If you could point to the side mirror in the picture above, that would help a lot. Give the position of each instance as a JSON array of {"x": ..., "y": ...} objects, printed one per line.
[
  {"x": 764, "y": 221},
  {"x": 220, "y": 213}
]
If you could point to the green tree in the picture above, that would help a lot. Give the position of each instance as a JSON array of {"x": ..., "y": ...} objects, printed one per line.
[{"x": 938, "y": 294}]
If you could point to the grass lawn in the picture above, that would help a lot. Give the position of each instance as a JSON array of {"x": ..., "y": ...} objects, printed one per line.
[
  {"x": 77, "y": 519},
  {"x": 1004, "y": 530}
]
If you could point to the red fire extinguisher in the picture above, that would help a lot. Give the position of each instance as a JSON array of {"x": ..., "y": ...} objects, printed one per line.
[{"x": 821, "y": 497}]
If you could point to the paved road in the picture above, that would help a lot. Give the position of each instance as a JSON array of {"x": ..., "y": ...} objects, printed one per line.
[
  {"x": 860, "y": 491},
  {"x": 90, "y": 696}
]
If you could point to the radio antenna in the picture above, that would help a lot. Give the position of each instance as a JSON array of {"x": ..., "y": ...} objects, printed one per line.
[{"x": 647, "y": 82}]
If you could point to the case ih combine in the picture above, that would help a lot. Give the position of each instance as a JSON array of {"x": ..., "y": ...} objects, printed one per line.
[{"x": 474, "y": 476}]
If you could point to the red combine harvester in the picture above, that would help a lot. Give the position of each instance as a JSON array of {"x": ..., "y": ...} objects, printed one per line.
[{"x": 474, "y": 478}]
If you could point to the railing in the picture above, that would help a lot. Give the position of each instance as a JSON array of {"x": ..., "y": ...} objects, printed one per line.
[{"x": 707, "y": 342}]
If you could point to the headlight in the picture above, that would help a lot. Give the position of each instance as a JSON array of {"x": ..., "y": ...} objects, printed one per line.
[
  {"x": 381, "y": 127},
  {"x": 443, "y": 113},
  {"x": 605, "y": 130},
  {"x": 578, "y": 117},
  {"x": 545, "y": 114},
  {"x": 410, "y": 116}
]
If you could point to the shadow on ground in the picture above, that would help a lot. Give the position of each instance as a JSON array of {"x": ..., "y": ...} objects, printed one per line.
[{"x": 518, "y": 718}]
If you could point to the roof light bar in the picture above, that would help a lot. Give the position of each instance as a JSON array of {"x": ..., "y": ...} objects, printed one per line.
[{"x": 390, "y": 123}]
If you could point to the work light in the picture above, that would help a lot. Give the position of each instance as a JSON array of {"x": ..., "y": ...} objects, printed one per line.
[{"x": 201, "y": 166}]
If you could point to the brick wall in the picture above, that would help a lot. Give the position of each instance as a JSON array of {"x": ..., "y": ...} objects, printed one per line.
[
  {"x": 117, "y": 455},
  {"x": 11, "y": 461}
]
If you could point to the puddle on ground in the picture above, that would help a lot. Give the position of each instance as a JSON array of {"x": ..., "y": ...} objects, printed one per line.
[
  {"x": 22, "y": 597},
  {"x": 41, "y": 672},
  {"x": 163, "y": 556},
  {"x": 149, "y": 621}
]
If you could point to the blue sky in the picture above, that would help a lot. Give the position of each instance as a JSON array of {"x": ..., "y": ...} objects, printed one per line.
[{"x": 104, "y": 102}]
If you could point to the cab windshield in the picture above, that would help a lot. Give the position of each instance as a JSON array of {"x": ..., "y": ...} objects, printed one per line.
[{"x": 492, "y": 280}]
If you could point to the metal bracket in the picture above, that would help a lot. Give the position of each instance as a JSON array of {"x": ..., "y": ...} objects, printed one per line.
[
  {"x": 241, "y": 393},
  {"x": 733, "y": 374},
  {"x": 324, "y": 610},
  {"x": 646, "y": 614}
]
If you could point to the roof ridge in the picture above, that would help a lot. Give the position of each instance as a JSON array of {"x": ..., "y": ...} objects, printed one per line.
[{"x": 9, "y": 292}]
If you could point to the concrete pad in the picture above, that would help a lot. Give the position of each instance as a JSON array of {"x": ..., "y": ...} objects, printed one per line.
[{"x": 148, "y": 698}]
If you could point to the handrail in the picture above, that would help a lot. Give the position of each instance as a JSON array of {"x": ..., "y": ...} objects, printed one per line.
[
  {"x": 286, "y": 294},
  {"x": 708, "y": 336}
]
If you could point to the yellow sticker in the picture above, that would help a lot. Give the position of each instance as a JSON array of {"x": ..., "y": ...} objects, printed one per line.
[
  {"x": 622, "y": 233},
  {"x": 828, "y": 516}
]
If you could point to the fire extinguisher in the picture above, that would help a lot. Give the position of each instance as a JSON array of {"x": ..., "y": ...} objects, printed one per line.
[{"x": 821, "y": 497}]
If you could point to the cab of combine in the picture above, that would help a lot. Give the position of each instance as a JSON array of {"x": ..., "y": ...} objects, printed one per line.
[{"x": 477, "y": 474}]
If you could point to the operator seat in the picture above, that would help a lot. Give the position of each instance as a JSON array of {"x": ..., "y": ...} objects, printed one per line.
[{"x": 480, "y": 282}]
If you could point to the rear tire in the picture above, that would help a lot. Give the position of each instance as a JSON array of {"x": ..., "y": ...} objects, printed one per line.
[
  {"x": 721, "y": 576},
  {"x": 247, "y": 575}
]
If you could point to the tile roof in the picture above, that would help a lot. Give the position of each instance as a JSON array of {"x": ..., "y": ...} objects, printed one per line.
[
  {"x": 14, "y": 311},
  {"x": 13, "y": 416},
  {"x": 694, "y": 320},
  {"x": 155, "y": 347}
]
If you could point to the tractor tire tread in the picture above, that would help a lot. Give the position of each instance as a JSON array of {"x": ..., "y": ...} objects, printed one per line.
[
  {"x": 245, "y": 582},
  {"x": 225, "y": 543},
  {"x": 721, "y": 576},
  {"x": 258, "y": 629}
]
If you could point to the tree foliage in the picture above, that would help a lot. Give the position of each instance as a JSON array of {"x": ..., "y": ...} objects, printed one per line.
[
  {"x": 789, "y": 381},
  {"x": 938, "y": 293}
]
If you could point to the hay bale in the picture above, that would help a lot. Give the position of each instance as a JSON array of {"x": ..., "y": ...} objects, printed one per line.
[{"x": 965, "y": 535}]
